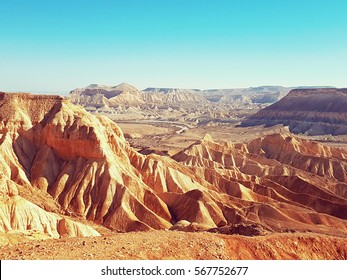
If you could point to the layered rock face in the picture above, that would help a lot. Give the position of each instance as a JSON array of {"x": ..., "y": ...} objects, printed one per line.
[
  {"x": 99, "y": 96},
  {"x": 310, "y": 111},
  {"x": 64, "y": 161}
]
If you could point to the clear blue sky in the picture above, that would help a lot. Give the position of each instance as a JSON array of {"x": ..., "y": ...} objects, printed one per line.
[{"x": 61, "y": 45}]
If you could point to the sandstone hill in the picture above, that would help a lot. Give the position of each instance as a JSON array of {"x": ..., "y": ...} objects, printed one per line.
[
  {"x": 277, "y": 181},
  {"x": 308, "y": 111},
  {"x": 64, "y": 169},
  {"x": 99, "y": 96}
]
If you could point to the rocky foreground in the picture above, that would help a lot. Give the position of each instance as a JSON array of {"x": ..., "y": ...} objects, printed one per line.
[{"x": 170, "y": 245}]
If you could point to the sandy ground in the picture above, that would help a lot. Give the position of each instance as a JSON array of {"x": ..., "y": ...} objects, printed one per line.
[
  {"x": 168, "y": 137},
  {"x": 159, "y": 245},
  {"x": 144, "y": 129}
]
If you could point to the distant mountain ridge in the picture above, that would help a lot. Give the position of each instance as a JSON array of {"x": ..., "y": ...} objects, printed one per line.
[
  {"x": 93, "y": 95},
  {"x": 312, "y": 111}
]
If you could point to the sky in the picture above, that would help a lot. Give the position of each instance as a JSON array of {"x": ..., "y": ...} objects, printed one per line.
[{"x": 56, "y": 46}]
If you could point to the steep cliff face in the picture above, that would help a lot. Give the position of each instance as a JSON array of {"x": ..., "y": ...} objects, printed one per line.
[
  {"x": 310, "y": 111},
  {"x": 64, "y": 160}
]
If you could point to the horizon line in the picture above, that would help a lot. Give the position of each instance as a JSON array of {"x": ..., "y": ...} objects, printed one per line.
[{"x": 154, "y": 87}]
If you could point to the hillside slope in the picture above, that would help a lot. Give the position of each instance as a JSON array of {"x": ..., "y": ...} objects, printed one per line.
[{"x": 309, "y": 111}]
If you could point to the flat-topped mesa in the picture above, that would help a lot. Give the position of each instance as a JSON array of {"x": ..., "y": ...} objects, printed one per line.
[
  {"x": 29, "y": 96},
  {"x": 321, "y": 100},
  {"x": 318, "y": 91},
  {"x": 310, "y": 111}
]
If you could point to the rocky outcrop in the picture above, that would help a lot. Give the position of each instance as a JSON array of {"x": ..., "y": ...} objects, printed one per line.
[
  {"x": 241, "y": 229},
  {"x": 308, "y": 111}
]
